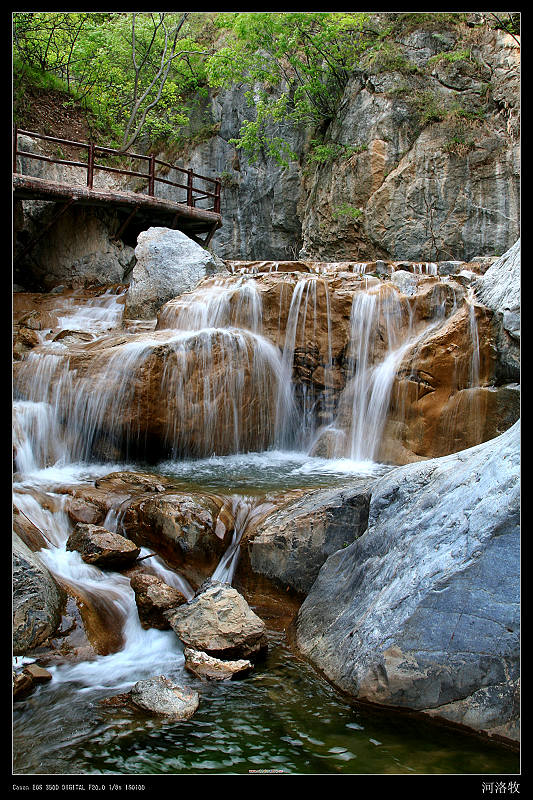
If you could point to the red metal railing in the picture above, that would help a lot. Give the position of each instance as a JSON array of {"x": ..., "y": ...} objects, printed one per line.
[{"x": 194, "y": 193}]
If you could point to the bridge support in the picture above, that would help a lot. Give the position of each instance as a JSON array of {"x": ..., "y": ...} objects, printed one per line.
[{"x": 31, "y": 244}]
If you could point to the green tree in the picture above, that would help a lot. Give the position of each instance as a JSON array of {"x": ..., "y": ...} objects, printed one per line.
[
  {"x": 306, "y": 57},
  {"x": 131, "y": 69}
]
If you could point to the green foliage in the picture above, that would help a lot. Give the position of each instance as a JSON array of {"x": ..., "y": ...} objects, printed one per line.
[
  {"x": 429, "y": 106},
  {"x": 228, "y": 179},
  {"x": 133, "y": 72},
  {"x": 388, "y": 57},
  {"x": 346, "y": 210},
  {"x": 306, "y": 56},
  {"x": 451, "y": 56},
  {"x": 433, "y": 21},
  {"x": 321, "y": 153}
]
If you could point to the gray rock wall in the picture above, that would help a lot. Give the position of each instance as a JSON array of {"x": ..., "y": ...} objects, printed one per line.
[{"x": 430, "y": 169}]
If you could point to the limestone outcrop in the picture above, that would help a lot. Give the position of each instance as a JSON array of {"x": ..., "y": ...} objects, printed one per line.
[
  {"x": 422, "y": 611},
  {"x": 424, "y": 157}
]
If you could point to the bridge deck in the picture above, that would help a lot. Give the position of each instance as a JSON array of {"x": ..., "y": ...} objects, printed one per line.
[
  {"x": 144, "y": 207},
  {"x": 151, "y": 210}
]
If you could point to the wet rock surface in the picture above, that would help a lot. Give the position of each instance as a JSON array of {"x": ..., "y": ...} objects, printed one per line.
[
  {"x": 215, "y": 669},
  {"x": 154, "y": 597},
  {"x": 101, "y": 547},
  {"x": 37, "y": 599},
  {"x": 291, "y": 545},
  {"x": 163, "y": 698}
]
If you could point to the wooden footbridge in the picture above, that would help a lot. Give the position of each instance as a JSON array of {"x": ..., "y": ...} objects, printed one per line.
[{"x": 194, "y": 209}]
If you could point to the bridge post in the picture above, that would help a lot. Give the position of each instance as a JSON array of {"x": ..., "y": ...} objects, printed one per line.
[
  {"x": 217, "y": 197},
  {"x": 90, "y": 165},
  {"x": 151, "y": 176},
  {"x": 15, "y": 145},
  {"x": 189, "y": 187}
]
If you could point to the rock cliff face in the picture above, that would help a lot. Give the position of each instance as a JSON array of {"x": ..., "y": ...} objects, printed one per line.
[
  {"x": 421, "y": 162},
  {"x": 424, "y": 159}
]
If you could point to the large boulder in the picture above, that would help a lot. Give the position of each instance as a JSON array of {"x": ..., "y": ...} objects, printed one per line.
[
  {"x": 37, "y": 599},
  {"x": 219, "y": 621},
  {"x": 422, "y": 611},
  {"x": 180, "y": 526},
  {"x": 168, "y": 264},
  {"x": 293, "y": 542}
]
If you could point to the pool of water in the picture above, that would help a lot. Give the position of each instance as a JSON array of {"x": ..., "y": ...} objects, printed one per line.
[
  {"x": 271, "y": 471},
  {"x": 283, "y": 717}
]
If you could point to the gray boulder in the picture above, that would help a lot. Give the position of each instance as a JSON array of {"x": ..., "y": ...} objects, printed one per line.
[
  {"x": 499, "y": 290},
  {"x": 292, "y": 543},
  {"x": 499, "y": 287},
  {"x": 161, "y": 697},
  {"x": 168, "y": 264},
  {"x": 37, "y": 600},
  {"x": 422, "y": 611}
]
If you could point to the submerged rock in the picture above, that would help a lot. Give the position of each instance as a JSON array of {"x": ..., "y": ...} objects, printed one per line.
[
  {"x": 422, "y": 611},
  {"x": 101, "y": 547},
  {"x": 215, "y": 669},
  {"x": 25, "y": 681},
  {"x": 160, "y": 696},
  {"x": 219, "y": 621}
]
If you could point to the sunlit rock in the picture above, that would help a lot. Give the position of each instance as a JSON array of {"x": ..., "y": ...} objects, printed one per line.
[
  {"x": 215, "y": 669},
  {"x": 422, "y": 611},
  {"x": 161, "y": 697},
  {"x": 219, "y": 621}
]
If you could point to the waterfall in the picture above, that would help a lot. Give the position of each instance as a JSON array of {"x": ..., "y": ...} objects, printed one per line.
[
  {"x": 376, "y": 316},
  {"x": 226, "y": 369}
]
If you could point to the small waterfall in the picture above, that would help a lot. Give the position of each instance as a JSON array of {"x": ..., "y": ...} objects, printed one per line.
[
  {"x": 377, "y": 317},
  {"x": 37, "y": 439},
  {"x": 474, "y": 399},
  {"x": 296, "y": 417}
]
